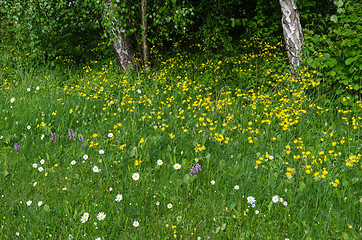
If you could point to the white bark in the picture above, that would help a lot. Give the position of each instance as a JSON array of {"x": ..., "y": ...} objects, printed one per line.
[
  {"x": 120, "y": 43},
  {"x": 292, "y": 32}
]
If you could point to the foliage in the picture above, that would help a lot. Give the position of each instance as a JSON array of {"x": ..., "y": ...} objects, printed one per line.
[
  {"x": 270, "y": 156},
  {"x": 335, "y": 51}
]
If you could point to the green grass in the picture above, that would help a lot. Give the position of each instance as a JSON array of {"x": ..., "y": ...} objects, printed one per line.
[{"x": 254, "y": 131}]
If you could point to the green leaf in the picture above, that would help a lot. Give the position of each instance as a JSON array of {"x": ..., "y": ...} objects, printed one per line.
[
  {"x": 334, "y": 19},
  {"x": 349, "y": 61},
  {"x": 223, "y": 226}
]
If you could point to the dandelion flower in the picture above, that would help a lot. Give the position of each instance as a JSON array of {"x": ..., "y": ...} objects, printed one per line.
[
  {"x": 159, "y": 162},
  {"x": 28, "y": 203},
  {"x": 136, "y": 223},
  {"x": 101, "y": 216},
  {"x": 212, "y": 182},
  {"x": 119, "y": 198},
  {"x": 73, "y": 162},
  {"x": 169, "y": 206},
  {"x": 136, "y": 176},
  {"x": 236, "y": 187},
  {"x": 85, "y": 157},
  {"x": 251, "y": 200},
  {"x": 177, "y": 166},
  {"x": 275, "y": 199},
  {"x": 96, "y": 169}
]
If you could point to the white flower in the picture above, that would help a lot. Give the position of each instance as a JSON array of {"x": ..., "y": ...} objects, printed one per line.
[
  {"x": 37, "y": 88},
  {"x": 177, "y": 166},
  {"x": 28, "y": 89},
  {"x": 73, "y": 162},
  {"x": 136, "y": 176},
  {"x": 1, "y": 137},
  {"x": 28, "y": 127},
  {"x": 35, "y": 165},
  {"x": 35, "y": 183},
  {"x": 253, "y": 205},
  {"x": 98, "y": 238},
  {"x": 236, "y": 187},
  {"x": 285, "y": 203},
  {"x": 83, "y": 219},
  {"x": 101, "y": 216},
  {"x": 251, "y": 200},
  {"x": 40, "y": 203},
  {"x": 110, "y": 189},
  {"x": 86, "y": 215},
  {"x": 42, "y": 161},
  {"x": 212, "y": 182},
  {"x": 159, "y": 162},
  {"x": 64, "y": 189},
  {"x": 157, "y": 203},
  {"x": 256, "y": 212},
  {"x": 110, "y": 135},
  {"x": 40, "y": 169},
  {"x": 17, "y": 234},
  {"x": 271, "y": 157},
  {"x": 136, "y": 223},
  {"x": 28, "y": 203},
  {"x": 96, "y": 169},
  {"x": 12, "y": 100},
  {"x": 275, "y": 198},
  {"x": 139, "y": 90},
  {"x": 169, "y": 205},
  {"x": 101, "y": 151},
  {"x": 119, "y": 198},
  {"x": 85, "y": 157},
  {"x": 42, "y": 137}
]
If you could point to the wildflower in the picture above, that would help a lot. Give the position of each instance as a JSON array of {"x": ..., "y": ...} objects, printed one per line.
[
  {"x": 285, "y": 203},
  {"x": 81, "y": 139},
  {"x": 236, "y": 187},
  {"x": 110, "y": 135},
  {"x": 256, "y": 212},
  {"x": 96, "y": 169},
  {"x": 83, "y": 219},
  {"x": 85, "y": 157},
  {"x": 177, "y": 166},
  {"x": 101, "y": 151},
  {"x": 28, "y": 203},
  {"x": 275, "y": 199},
  {"x": 12, "y": 100},
  {"x": 136, "y": 176},
  {"x": 251, "y": 200},
  {"x": 73, "y": 162},
  {"x": 42, "y": 161},
  {"x": 54, "y": 137},
  {"x": 35, "y": 183},
  {"x": 138, "y": 90},
  {"x": 101, "y": 216},
  {"x": 157, "y": 203},
  {"x": 98, "y": 238},
  {"x": 40, "y": 169},
  {"x": 35, "y": 165},
  {"x": 119, "y": 198},
  {"x": 17, "y": 234},
  {"x": 28, "y": 127},
  {"x": 86, "y": 215},
  {"x": 159, "y": 162},
  {"x": 169, "y": 206},
  {"x": 136, "y": 223},
  {"x": 28, "y": 89},
  {"x": 17, "y": 147},
  {"x": 142, "y": 140},
  {"x": 37, "y": 88},
  {"x": 42, "y": 137},
  {"x": 40, "y": 203},
  {"x": 212, "y": 182},
  {"x": 71, "y": 134}
]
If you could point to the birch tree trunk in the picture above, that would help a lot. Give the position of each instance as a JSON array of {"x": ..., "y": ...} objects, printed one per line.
[
  {"x": 292, "y": 32},
  {"x": 120, "y": 42},
  {"x": 146, "y": 58}
]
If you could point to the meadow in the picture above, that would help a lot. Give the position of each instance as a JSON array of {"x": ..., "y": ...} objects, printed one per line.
[{"x": 200, "y": 147}]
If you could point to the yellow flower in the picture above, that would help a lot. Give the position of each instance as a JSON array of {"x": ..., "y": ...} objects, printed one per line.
[
  {"x": 142, "y": 141},
  {"x": 42, "y": 124},
  {"x": 172, "y": 135},
  {"x": 71, "y": 111},
  {"x": 136, "y": 163}
]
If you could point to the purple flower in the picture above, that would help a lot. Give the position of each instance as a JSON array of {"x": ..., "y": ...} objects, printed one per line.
[
  {"x": 195, "y": 169},
  {"x": 198, "y": 168},
  {"x": 81, "y": 139},
  {"x": 54, "y": 137},
  {"x": 71, "y": 134},
  {"x": 83, "y": 145},
  {"x": 17, "y": 147},
  {"x": 192, "y": 170}
]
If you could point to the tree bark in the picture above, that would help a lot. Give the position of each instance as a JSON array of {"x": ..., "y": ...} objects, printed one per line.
[
  {"x": 146, "y": 58},
  {"x": 120, "y": 42},
  {"x": 292, "y": 32}
]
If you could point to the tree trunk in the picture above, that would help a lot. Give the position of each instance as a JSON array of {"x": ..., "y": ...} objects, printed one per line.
[
  {"x": 292, "y": 32},
  {"x": 120, "y": 42},
  {"x": 146, "y": 58}
]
